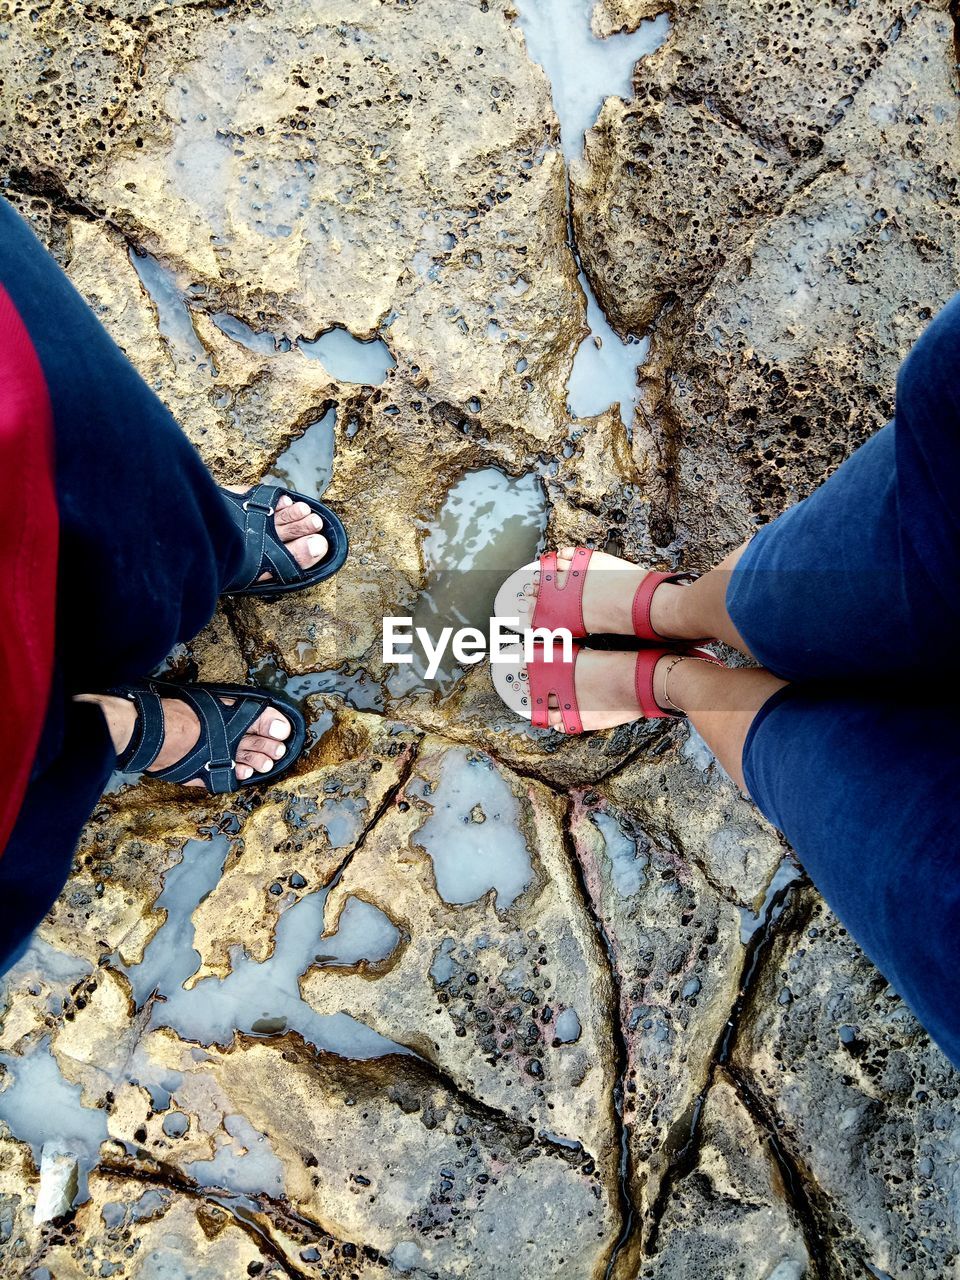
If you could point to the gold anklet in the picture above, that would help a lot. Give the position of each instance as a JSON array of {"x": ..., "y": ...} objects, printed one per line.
[{"x": 681, "y": 657}]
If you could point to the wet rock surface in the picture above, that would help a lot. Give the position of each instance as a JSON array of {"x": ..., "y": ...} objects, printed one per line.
[
  {"x": 779, "y": 203},
  {"x": 458, "y": 997}
]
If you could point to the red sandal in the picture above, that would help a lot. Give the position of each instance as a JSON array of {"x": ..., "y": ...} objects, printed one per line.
[
  {"x": 562, "y": 606},
  {"x": 526, "y": 688}
]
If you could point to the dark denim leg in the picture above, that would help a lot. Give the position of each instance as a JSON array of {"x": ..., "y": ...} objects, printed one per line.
[
  {"x": 866, "y": 787},
  {"x": 145, "y": 544},
  {"x": 861, "y": 577},
  {"x": 146, "y": 541},
  {"x": 39, "y": 853}
]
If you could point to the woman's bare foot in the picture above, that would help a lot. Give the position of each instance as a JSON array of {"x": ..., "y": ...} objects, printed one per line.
[
  {"x": 258, "y": 749},
  {"x": 605, "y": 687},
  {"x": 298, "y": 527},
  {"x": 677, "y": 611},
  {"x": 609, "y": 586}
]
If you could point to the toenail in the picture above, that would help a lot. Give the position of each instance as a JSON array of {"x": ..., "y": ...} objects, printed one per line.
[
  {"x": 276, "y": 729},
  {"x": 244, "y": 771},
  {"x": 267, "y": 766},
  {"x": 316, "y": 522},
  {"x": 280, "y": 750},
  {"x": 315, "y": 546}
]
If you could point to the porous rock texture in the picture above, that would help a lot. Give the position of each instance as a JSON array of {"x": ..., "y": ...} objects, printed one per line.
[
  {"x": 635, "y": 1047},
  {"x": 779, "y": 203}
]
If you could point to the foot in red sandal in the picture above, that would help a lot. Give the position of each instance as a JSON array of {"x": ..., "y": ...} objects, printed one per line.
[
  {"x": 598, "y": 689},
  {"x": 591, "y": 593}
]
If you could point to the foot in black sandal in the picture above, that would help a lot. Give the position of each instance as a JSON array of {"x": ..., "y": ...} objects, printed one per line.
[
  {"x": 220, "y": 736},
  {"x": 291, "y": 541}
]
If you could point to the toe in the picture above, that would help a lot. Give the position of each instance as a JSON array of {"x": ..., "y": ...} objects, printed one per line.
[
  {"x": 273, "y": 725},
  {"x": 303, "y": 527},
  {"x": 265, "y": 746},
  {"x": 256, "y": 759},
  {"x": 244, "y": 771},
  {"x": 283, "y": 502},
  {"x": 308, "y": 551},
  {"x": 291, "y": 513}
]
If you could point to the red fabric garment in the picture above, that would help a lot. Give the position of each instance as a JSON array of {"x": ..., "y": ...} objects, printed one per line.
[{"x": 29, "y": 530}]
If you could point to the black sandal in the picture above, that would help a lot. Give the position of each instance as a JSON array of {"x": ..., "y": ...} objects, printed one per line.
[
  {"x": 253, "y": 512},
  {"x": 212, "y": 758}
]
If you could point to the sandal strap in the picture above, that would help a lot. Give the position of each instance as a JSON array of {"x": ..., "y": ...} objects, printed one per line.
[
  {"x": 148, "y": 731},
  {"x": 559, "y": 678},
  {"x": 562, "y": 606},
  {"x": 647, "y": 660},
  {"x": 264, "y": 552},
  {"x": 643, "y": 599},
  {"x": 212, "y": 757}
]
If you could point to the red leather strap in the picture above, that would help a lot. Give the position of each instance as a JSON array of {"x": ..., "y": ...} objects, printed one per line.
[
  {"x": 647, "y": 660},
  {"x": 28, "y": 553},
  {"x": 562, "y": 606},
  {"x": 643, "y": 598},
  {"x": 556, "y": 677}
]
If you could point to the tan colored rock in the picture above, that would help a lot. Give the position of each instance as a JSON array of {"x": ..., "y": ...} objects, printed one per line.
[
  {"x": 677, "y": 956},
  {"x": 139, "y": 1230},
  {"x": 17, "y": 1178},
  {"x": 297, "y": 840},
  {"x": 290, "y": 163},
  {"x": 480, "y": 979},
  {"x": 754, "y": 389},
  {"x": 610, "y": 16},
  {"x": 683, "y": 798},
  {"x": 730, "y": 1215},
  {"x": 385, "y": 1154},
  {"x": 865, "y": 1105},
  {"x": 780, "y": 181}
]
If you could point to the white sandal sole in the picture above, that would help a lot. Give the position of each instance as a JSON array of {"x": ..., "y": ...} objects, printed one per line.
[
  {"x": 514, "y": 592},
  {"x": 511, "y": 681}
]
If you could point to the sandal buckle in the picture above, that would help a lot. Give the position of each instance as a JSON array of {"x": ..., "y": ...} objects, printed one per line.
[
  {"x": 250, "y": 505},
  {"x": 210, "y": 766}
]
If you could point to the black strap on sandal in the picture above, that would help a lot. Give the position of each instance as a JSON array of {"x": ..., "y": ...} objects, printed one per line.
[
  {"x": 264, "y": 552},
  {"x": 212, "y": 759}
]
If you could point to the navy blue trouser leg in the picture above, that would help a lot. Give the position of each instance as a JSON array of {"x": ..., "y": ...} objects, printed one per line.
[
  {"x": 861, "y": 578},
  {"x": 854, "y": 595},
  {"x": 865, "y": 784},
  {"x": 146, "y": 543}
]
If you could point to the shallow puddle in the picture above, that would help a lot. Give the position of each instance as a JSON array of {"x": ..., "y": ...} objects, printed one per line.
[
  {"x": 38, "y": 1105},
  {"x": 363, "y": 932},
  {"x": 628, "y": 866},
  {"x": 254, "y": 997},
  {"x": 490, "y": 524},
  {"x": 362, "y": 361},
  {"x": 348, "y": 358},
  {"x": 357, "y": 688},
  {"x": 173, "y": 314},
  {"x": 169, "y": 958},
  {"x": 307, "y": 465},
  {"x": 473, "y": 835},
  {"x": 583, "y": 71},
  {"x": 244, "y": 1162}
]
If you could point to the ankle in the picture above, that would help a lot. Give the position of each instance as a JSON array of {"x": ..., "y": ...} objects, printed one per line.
[
  {"x": 665, "y": 684},
  {"x": 119, "y": 713},
  {"x": 670, "y": 610}
]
